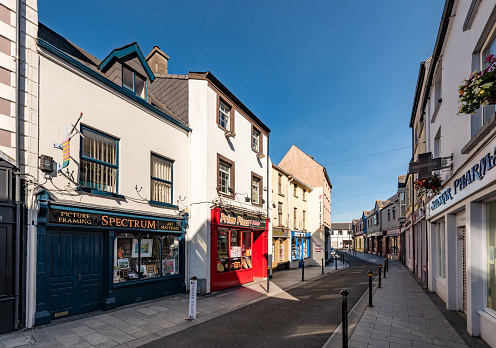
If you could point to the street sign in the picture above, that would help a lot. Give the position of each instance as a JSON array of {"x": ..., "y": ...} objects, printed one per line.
[
  {"x": 425, "y": 165},
  {"x": 192, "y": 298}
]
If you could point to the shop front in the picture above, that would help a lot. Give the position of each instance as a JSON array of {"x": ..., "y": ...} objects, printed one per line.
[
  {"x": 239, "y": 248},
  {"x": 91, "y": 259},
  {"x": 280, "y": 248},
  {"x": 393, "y": 247},
  {"x": 375, "y": 243},
  {"x": 419, "y": 244},
  {"x": 300, "y": 248}
]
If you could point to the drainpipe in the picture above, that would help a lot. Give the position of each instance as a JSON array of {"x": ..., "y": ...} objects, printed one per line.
[
  {"x": 18, "y": 163},
  {"x": 269, "y": 242}
]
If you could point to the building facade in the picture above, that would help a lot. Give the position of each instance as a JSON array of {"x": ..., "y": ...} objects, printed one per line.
[{"x": 341, "y": 235}]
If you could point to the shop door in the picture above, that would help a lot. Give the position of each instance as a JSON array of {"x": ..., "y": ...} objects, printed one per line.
[
  {"x": 464, "y": 270},
  {"x": 74, "y": 272}
]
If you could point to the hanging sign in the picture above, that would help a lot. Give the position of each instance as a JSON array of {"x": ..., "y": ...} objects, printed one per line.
[
  {"x": 66, "y": 152},
  {"x": 192, "y": 298}
]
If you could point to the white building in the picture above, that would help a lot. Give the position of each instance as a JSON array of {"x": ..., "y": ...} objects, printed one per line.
[
  {"x": 108, "y": 225},
  {"x": 341, "y": 235},
  {"x": 461, "y": 227},
  {"x": 230, "y": 168}
]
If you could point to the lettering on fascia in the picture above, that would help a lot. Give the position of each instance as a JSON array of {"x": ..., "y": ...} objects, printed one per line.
[{"x": 477, "y": 172}]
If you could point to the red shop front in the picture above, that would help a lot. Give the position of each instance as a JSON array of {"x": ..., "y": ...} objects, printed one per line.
[{"x": 239, "y": 248}]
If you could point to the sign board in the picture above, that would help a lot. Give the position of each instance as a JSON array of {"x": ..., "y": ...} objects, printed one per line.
[
  {"x": 280, "y": 232},
  {"x": 242, "y": 220},
  {"x": 318, "y": 248},
  {"x": 113, "y": 220},
  {"x": 192, "y": 298},
  {"x": 425, "y": 165}
]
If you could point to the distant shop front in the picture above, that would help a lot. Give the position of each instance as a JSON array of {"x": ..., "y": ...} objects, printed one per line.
[
  {"x": 281, "y": 247},
  {"x": 300, "y": 248}
]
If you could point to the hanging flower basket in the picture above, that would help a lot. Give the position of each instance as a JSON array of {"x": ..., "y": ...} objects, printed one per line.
[
  {"x": 432, "y": 185},
  {"x": 479, "y": 89}
]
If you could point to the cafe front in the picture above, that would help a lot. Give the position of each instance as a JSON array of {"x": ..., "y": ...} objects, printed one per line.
[
  {"x": 91, "y": 259},
  {"x": 238, "y": 248},
  {"x": 281, "y": 247}
]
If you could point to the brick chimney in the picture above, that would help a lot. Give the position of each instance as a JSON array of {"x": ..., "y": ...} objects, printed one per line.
[{"x": 157, "y": 60}]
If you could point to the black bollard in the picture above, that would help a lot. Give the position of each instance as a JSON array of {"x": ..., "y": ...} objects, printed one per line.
[
  {"x": 303, "y": 270},
  {"x": 335, "y": 263},
  {"x": 385, "y": 269},
  {"x": 344, "y": 307},
  {"x": 380, "y": 267},
  {"x": 387, "y": 264},
  {"x": 343, "y": 257},
  {"x": 322, "y": 266},
  {"x": 370, "y": 289}
]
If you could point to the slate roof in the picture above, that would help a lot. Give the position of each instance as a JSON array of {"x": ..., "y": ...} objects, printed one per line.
[{"x": 341, "y": 226}]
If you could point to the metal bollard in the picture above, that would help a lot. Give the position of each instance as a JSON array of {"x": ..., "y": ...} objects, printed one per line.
[
  {"x": 268, "y": 278},
  {"x": 303, "y": 270},
  {"x": 343, "y": 257},
  {"x": 385, "y": 269},
  {"x": 380, "y": 268},
  {"x": 322, "y": 266},
  {"x": 387, "y": 265},
  {"x": 335, "y": 263},
  {"x": 370, "y": 289},
  {"x": 344, "y": 307}
]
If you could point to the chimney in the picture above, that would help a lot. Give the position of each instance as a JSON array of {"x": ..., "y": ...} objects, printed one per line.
[{"x": 157, "y": 60}]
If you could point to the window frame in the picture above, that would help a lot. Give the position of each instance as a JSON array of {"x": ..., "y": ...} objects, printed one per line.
[
  {"x": 230, "y": 115},
  {"x": 304, "y": 220},
  {"x": 279, "y": 213},
  {"x": 125, "y": 66},
  {"x": 232, "y": 177},
  {"x": 96, "y": 161},
  {"x": 260, "y": 189},
  {"x": 171, "y": 183},
  {"x": 295, "y": 220},
  {"x": 260, "y": 139}
]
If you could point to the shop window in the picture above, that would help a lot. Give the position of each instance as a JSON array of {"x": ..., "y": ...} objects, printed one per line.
[
  {"x": 126, "y": 266},
  {"x": 98, "y": 169},
  {"x": 150, "y": 256},
  {"x": 161, "y": 179},
  {"x": 281, "y": 250},
  {"x": 235, "y": 251},
  {"x": 246, "y": 250},
  {"x": 223, "y": 251},
  {"x": 441, "y": 254},
  {"x": 295, "y": 252},
  {"x": 159, "y": 256},
  {"x": 491, "y": 267},
  {"x": 306, "y": 246},
  {"x": 170, "y": 255}
]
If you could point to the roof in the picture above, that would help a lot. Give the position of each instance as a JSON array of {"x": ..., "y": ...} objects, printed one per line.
[
  {"x": 209, "y": 76},
  {"x": 291, "y": 175},
  {"x": 76, "y": 56},
  {"x": 341, "y": 226},
  {"x": 124, "y": 51}
]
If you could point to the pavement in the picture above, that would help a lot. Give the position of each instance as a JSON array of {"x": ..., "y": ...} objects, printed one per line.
[
  {"x": 404, "y": 315},
  {"x": 137, "y": 324}
]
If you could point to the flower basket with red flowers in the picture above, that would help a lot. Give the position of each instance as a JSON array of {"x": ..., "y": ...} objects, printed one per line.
[
  {"x": 479, "y": 89},
  {"x": 432, "y": 185}
]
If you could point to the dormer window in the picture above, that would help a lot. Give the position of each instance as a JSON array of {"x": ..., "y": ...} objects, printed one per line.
[{"x": 134, "y": 82}]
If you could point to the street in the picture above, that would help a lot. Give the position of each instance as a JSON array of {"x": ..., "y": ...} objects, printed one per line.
[{"x": 302, "y": 317}]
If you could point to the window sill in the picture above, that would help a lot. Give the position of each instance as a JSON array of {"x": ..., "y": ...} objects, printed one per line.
[
  {"x": 481, "y": 133},
  {"x": 295, "y": 196},
  {"x": 280, "y": 194},
  {"x": 147, "y": 280},
  {"x": 162, "y": 204},
  {"x": 99, "y": 192}
]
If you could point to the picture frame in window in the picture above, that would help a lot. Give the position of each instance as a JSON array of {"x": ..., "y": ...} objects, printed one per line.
[{"x": 146, "y": 248}]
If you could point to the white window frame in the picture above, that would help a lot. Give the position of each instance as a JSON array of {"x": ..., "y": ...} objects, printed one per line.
[
  {"x": 224, "y": 116},
  {"x": 227, "y": 179}
]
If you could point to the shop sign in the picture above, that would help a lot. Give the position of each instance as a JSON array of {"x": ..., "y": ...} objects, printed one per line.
[
  {"x": 241, "y": 220},
  {"x": 299, "y": 234},
  {"x": 280, "y": 232},
  {"x": 69, "y": 217},
  {"x": 474, "y": 174},
  {"x": 318, "y": 248}
]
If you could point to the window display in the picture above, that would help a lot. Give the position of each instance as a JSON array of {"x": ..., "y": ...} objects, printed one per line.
[
  {"x": 150, "y": 256},
  {"x": 125, "y": 261},
  {"x": 491, "y": 267},
  {"x": 233, "y": 250},
  {"x": 222, "y": 251},
  {"x": 305, "y": 248},
  {"x": 170, "y": 255},
  {"x": 246, "y": 262}
]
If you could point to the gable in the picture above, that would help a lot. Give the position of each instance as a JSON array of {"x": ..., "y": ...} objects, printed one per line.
[{"x": 130, "y": 54}]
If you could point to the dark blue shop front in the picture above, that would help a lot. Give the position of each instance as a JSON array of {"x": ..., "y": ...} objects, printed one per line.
[
  {"x": 90, "y": 259},
  {"x": 300, "y": 246}
]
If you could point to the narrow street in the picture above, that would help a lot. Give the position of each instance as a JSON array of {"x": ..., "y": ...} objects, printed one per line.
[{"x": 302, "y": 317}]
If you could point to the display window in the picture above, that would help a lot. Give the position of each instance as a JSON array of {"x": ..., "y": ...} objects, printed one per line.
[
  {"x": 491, "y": 267},
  {"x": 233, "y": 250},
  {"x": 305, "y": 246},
  {"x": 281, "y": 250},
  {"x": 154, "y": 255}
]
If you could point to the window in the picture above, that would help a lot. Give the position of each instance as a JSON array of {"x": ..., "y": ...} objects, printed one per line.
[
  {"x": 304, "y": 194},
  {"x": 279, "y": 213},
  {"x": 161, "y": 179},
  {"x": 256, "y": 189},
  {"x": 304, "y": 218},
  {"x": 98, "y": 169},
  {"x": 154, "y": 255},
  {"x": 295, "y": 226},
  {"x": 294, "y": 190},
  {"x": 340, "y": 233},
  {"x": 225, "y": 176},
  {"x": 402, "y": 204},
  {"x": 224, "y": 112},
  {"x": 491, "y": 267},
  {"x": 389, "y": 214},
  {"x": 375, "y": 219},
  {"x": 441, "y": 255},
  {"x": 255, "y": 140},
  {"x": 279, "y": 184},
  {"x": 134, "y": 82},
  {"x": 233, "y": 250},
  {"x": 394, "y": 213}
]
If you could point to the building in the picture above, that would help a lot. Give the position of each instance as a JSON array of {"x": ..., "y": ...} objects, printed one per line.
[
  {"x": 461, "y": 228},
  {"x": 390, "y": 226},
  {"x": 306, "y": 169},
  {"x": 229, "y": 178},
  {"x": 358, "y": 230},
  {"x": 109, "y": 221},
  {"x": 291, "y": 220},
  {"x": 376, "y": 243},
  {"x": 18, "y": 134},
  {"x": 341, "y": 235}
]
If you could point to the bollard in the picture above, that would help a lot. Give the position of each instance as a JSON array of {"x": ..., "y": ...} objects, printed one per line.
[
  {"x": 303, "y": 270},
  {"x": 384, "y": 269},
  {"x": 344, "y": 307},
  {"x": 322, "y": 265},
  {"x": 380, "y": 267},
  {"x": 387, "y": 265},
  {"x": 335, "y": 263},
  {"x": 370, "y": 289},
  {"x": 343, "y": 257},
  {"x": 268, "y": 278}
]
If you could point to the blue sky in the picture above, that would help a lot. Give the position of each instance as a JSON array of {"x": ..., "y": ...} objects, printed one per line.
[{"x": 335, "y": 77}]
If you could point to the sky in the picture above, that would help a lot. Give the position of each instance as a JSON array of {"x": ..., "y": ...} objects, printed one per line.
[{"x": 336, "y": 78}]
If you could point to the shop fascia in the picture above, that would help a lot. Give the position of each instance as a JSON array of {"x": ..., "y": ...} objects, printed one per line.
[{"x": 476, "y": 176}]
